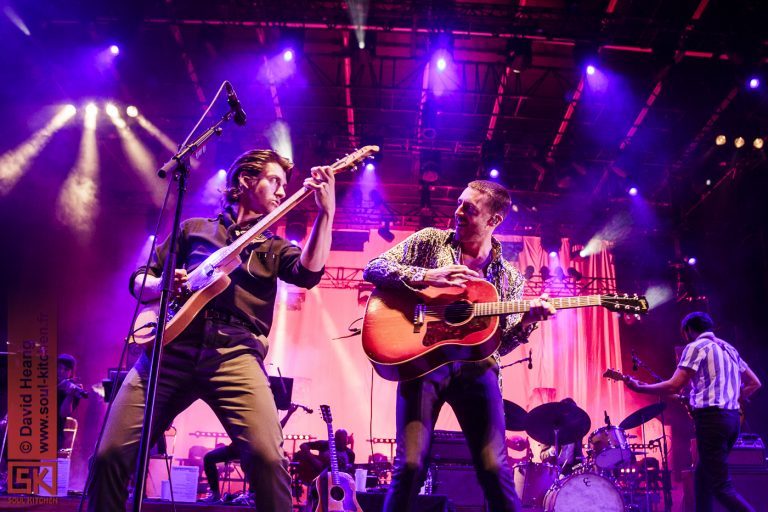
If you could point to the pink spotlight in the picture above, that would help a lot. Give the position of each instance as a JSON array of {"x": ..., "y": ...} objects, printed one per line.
[
  {"x": 370, "y": 167},
  {"x": 114, "y": 49},
  {"x": 442, "y": 64},
  {"x": 591, "y": 70},
  {"x": 553, "y": 254},
  {"x": 494, "y": 173},
  {"x": 288, "y": 55},
  {"x": 754, "y": 83},
  {"x": 632, "y": 191}
]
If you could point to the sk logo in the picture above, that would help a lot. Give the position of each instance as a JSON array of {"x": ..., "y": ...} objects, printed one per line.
[{"x": 30, "y": 477}]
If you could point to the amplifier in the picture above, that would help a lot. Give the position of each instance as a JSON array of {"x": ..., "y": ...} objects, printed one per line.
[
  {"x": 459, "y": 483},
  {"x": 449, "y": 447},
  {"x": 747, "y": 452}
]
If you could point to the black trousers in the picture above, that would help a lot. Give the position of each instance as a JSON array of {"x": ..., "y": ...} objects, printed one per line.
[
  {"x": 224, "y": 454},
  {"x": 716, "y": 433},
  {"x": 222, "y": 365},
  {"x": 472, "y": 390}
]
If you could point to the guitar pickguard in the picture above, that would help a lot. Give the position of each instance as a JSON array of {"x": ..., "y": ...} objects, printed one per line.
[{"x": 439, "y": 331}]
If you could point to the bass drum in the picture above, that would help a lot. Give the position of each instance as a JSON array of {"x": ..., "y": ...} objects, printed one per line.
[{"x": 586, "y": 492}]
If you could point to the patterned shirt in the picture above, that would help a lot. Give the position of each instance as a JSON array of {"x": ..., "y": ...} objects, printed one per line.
[
  {"x": 718, "y": 369},
  {"x": 432, "y": 248}
]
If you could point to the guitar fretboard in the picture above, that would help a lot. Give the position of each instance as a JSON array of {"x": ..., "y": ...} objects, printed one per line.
[{"x": 522, "y": 306}]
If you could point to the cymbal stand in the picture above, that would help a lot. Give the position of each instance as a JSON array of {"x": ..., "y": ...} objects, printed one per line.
[{"x": 666, "y": 484}]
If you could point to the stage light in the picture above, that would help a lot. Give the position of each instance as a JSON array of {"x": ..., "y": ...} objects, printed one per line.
[
  {"x": 114, "y": 49},
  {"x": 91, "y": 109},
  {"x": 590, "y": 69},
  {"x": 429, "y": 166},
  {"x": 691, "y": 261},
  {"x": 529, "y": 270},
  {"x": 288, "y": 55},
  {"x": 385, "y": 233},
  {"x": 708, "y": 182},
  {"x": 515, "y": 208},
  {"x": 441, "y": 64},
  {"x": 111, "y": 110},
  {"x": 632, "y": 191},
  {"x": 494, "y": 173},
  {"x": 758, "y": 143},
  {"x": 370, "y": 167},
  {"x": 544, "y": 271},
  {"x": 754, "y": 83},
  {"x": 720, "y": 140},
  {"x": 222, "y": 174},
  {"x": 739, "y": 142},
  {"x": 575, "y": 274},
  {"x": 131, "y": 111}
]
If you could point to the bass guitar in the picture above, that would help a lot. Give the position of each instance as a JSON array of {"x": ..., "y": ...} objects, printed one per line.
[
  {"x": 409, "y": 334},
  {"x": 335, "y": 489},
  {"x": 211, "y": 277}
]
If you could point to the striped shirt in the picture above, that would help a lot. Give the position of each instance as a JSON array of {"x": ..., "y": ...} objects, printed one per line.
[{"x": 718, "y": 369}]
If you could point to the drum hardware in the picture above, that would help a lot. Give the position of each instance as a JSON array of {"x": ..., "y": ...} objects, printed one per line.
[
  {"x": 557, "y": 423},
  {"x": 532, "y": 481}
]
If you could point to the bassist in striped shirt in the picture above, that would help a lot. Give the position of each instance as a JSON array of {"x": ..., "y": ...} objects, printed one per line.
[{"x": 719, "y": 379}]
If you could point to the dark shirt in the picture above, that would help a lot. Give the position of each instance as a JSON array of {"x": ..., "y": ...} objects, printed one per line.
[
  {"x": 345, "y": 457},
  {"x": 251, "y": 295}
]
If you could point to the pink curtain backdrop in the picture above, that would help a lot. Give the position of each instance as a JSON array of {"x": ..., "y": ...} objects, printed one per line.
[{"x": 570, "y": 353}]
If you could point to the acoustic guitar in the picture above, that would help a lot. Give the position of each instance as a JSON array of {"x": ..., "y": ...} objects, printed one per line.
[
  {"x": 409, "y": 334},
  {"x": 335, "y": 490},
  {"x": 211, "y": 277}
]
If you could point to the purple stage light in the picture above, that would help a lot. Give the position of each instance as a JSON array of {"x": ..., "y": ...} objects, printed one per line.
[
  {"x": 114, "y": 49},
  {"x": 591, "y": 70},
  {"x": 442, "y": 64},
  {"x": 553, "y": 254},
  {"x": 691, "y": 261},
  {"x": 288, "y": 55},
  {"x": 632, "y": 191},
  {"x": 370, "y": 167},
  {"x": 494, "y": 173},
  {"x": 222, "y": 174},
  {"x": 754, "y": 83}
]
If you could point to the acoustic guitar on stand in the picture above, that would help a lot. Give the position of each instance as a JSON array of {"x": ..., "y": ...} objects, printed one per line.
[
  {"x": 211, "y": 277},
  {"x": 409, "y": 334},
  {"x": 335, "y": 489}
]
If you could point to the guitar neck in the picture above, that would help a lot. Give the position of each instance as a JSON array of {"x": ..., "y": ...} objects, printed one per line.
[
  {"x": 522, "y": 306},
  {"x": 334, "y": 456}
]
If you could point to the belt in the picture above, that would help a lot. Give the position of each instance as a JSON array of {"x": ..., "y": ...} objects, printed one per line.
[{"x": 225, "y": 317}]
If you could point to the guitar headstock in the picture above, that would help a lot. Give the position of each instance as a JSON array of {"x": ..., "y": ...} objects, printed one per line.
[
  {"x": 625, "y": 303},
  {"x": 354, "y": 158},
  {"x": 612, "y": 374},
  {"x": 325, "y": 411}
]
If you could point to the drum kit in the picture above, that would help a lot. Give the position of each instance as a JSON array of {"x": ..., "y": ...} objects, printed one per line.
[{"x": 595, "y": 482}]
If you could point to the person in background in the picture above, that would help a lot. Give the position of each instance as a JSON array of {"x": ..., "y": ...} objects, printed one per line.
[{"x": 68, "y": 395}]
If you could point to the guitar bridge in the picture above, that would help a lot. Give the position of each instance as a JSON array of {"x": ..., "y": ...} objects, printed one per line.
[{"x": 418, "y": 317}]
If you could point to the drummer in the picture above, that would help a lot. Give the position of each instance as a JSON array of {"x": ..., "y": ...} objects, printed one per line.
[{"x": 570, "y": 455}]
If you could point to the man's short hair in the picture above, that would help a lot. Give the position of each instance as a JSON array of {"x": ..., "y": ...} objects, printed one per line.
[
  {"x": 252, "y": 163},
  {"x": 500, "y": 201},
  {"x": 698, "y": 322},
  {"x": 67, "y": 361}
]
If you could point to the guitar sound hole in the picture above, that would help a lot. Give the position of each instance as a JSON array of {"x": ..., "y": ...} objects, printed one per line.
[
  {"x": 337, "y": 493},
  {"x": 458, "y": 312}
]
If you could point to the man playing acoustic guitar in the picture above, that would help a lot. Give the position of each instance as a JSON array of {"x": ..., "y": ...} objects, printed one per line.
[
  {"x": 448, "y": 258},
  {"x": 219, "y": 357}
]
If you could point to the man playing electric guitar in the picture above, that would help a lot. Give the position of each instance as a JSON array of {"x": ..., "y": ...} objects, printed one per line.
[
  {"x": 448, "y": 258},
  {"x": 219, "y": 356},
  {"x": 719, "y": 378}
]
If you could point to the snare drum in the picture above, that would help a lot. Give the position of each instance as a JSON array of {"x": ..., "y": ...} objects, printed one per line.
[
  {"x": 610, "y": 448},
  {"x": 532, "y": 480},
  {"x": 586, "y": 492}
]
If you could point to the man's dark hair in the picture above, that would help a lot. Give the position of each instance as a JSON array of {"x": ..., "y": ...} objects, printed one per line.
[
  {"x": 252, "y": 163},
  {"x": 500, "y": 201},
  {"x": 698, "y": 322},
  {"x": 67, "y": 361}
]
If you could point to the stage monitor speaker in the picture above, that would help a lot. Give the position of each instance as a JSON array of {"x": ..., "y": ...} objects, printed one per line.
[
  {"x": 374, "y": 502},
  {"x": 751, "y": 484},
  {"x": 459, "y": 483}
]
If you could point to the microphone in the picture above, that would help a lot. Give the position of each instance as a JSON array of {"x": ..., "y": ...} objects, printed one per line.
[
  {"x": 607, "y": 418},
  {"x": 530, "y": 359},
  {"x": 234, "y": 104},
  {"x": 634, "y": 361}
]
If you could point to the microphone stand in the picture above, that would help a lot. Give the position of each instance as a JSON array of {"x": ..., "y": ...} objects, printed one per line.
[
  {"x": 666, "y": 484},
  {"x": 523, "y": 360},
  {"x": 177, "y": 165}
]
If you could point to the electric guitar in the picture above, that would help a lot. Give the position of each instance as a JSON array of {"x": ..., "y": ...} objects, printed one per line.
[
  {"x": 211, "y": 277},
  {"x": 335, "y": 490},
  {"x": 409, "y": 334},
  {"x": 683, "y": 398}
]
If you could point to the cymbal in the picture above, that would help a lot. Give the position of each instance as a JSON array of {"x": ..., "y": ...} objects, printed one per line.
[
  {"x": 571, "y": 423},
  {"x": 642, "y": 415},
  {"x": 514, "y": 416}
]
